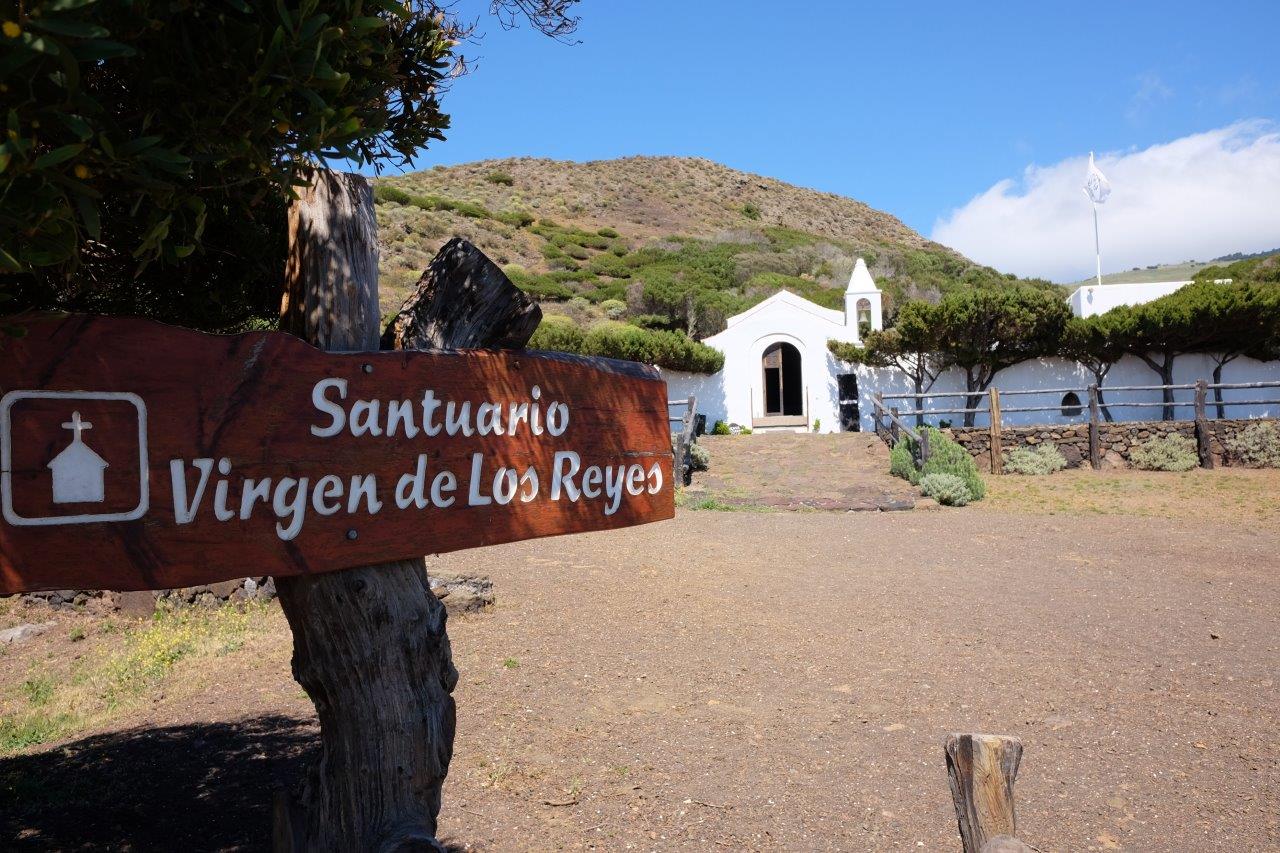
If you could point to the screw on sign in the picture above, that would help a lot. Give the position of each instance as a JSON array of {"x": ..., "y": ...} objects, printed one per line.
[{"x": 259, "y": 449}]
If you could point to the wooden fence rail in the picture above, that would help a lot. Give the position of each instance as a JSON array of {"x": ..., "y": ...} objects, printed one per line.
[{"x": 889, "y": 420}]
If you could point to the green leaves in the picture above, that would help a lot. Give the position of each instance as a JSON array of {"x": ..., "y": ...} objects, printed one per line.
[{"x": 137, "y": 125}]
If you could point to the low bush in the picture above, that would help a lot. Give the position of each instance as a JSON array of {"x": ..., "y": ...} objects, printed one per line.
[
  {"x": 1173, "y": 452},
  {"x": 672, "y": 350},
  {"x": 901, "y": 464},
  {"x": 946, "y": 489},
  {"x": 614, "y": 308},
  {"x": 557, "y": 333},
  {"x": 607, "y": 232},
  {"x": 516, "y": 218},
  {"x": 720, "y": 428},
  {"x": 1042, "y": 459},
  {"x": 750, "y": 211},
  {"x": 1257, "y": 446},
  {"x": 945, "y": 457},
  {"x": 699, "y": 458},
  {"x": 499, "y": 178}
]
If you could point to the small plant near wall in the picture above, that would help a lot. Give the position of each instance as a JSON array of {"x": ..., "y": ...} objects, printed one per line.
[
  {"x": 1174, "y": 452},
  {"x": 720, "y": 428},
  {"x": 1042, "y": 459},
  {"x": 699, "y": 458},
  {"x": 817, "y": 424},
  {"x": 946, "y": 489},
  {"x": 1257, "y": 446}
]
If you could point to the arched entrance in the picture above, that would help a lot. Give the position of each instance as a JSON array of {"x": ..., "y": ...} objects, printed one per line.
[{"x": 783, "y": 381}]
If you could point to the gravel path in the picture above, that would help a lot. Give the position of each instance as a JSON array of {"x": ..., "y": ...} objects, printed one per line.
[{"x": 785, "y": 681}]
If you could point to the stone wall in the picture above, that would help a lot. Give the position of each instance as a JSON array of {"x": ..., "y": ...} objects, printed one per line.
[{"x": 1115, "y": 440}]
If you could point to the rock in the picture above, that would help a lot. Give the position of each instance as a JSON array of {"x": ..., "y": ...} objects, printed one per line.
[
  {"x": 224, "y": 589},
  {"x": 897, "y": 504},
  {"x": 1071, "y": 453},
  {"x": 927, "y": 504},
  {"x": 22, "y": 633},
  {"x": 141, "y": 604},
  {"x": 461, "y": 592}
]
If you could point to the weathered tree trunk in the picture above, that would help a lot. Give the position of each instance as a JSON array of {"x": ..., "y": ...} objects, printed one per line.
[
  {"x": 1163, "y": 369},
  {"x": 982, "y": 770},
  {"x": 1220, "y": 362},
  {"x": 370, "y": 645}
]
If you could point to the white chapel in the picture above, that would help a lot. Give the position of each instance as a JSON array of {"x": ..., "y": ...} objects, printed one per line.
[{"x": 778, "y": 373}]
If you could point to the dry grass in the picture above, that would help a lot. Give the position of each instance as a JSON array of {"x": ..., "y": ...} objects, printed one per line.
[
  {"x": 1224, "y": 495},
  {"x": 98, "y": 669}
]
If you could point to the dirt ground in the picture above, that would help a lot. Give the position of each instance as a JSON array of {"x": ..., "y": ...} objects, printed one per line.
[{"x": 745, "y": 680}]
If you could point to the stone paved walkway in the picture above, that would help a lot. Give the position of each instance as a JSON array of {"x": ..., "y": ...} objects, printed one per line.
[{"x": 842, "y": 472}]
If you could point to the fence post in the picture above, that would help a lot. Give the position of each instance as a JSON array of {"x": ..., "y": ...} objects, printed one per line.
[
  {"x": 1203, "y": 438},
  {"x": 924, "y": 446},
  {"x": 877, "y": 413},
  {"x": 997, "y": 452},
  {"x": 893, "y": 424},
  {"x": 982, "y": 770},
  {"x": 1095, "y": 450}
]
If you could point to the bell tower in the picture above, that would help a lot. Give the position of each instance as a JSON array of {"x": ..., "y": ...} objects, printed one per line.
[{"x": 862, "y": 302}]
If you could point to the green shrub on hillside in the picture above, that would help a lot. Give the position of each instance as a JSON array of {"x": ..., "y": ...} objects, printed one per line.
[
  {"x": 607, "y": 232},
  {"x": 614, "y": 308},
  {"x": 1044, "y": 458},
  {"x": 946, "y": 489},
  {"x": 750, "y": 211},
  {"x": 557, "y": 333},
  {"x": 1173, "y": 452},
  {"x": 499, "y": 178},
  {"x": 610, "y": 265},
  {"x": 383, "y": 192},
  {"x": 516, "y": 218},
  {"x": 1257, "y": 446}
]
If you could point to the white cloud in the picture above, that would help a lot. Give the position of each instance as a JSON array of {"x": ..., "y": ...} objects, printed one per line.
[{"x": 1201, "y": 196}]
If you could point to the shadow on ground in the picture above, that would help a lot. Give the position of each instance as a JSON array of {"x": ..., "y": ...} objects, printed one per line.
[{"x": 192, "y": 787}]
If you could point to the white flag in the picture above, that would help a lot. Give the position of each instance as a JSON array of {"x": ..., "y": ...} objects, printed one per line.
[{"x": 1096, "y": 185}]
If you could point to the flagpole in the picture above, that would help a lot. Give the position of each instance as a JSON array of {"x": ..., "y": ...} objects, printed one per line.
[{"x": 1097, "y": 247}]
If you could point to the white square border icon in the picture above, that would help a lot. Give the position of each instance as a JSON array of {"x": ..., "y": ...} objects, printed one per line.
[{"x": 6, "y": 458}]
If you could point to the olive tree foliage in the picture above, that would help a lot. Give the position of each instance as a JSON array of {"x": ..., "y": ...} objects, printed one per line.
[
  {"x": 911, "y": 345},
  {"x": 151, "y": 148},
  {"x": 984, "y": 330}
]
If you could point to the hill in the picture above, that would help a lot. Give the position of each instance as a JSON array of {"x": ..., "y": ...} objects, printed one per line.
[
  {"x": 658, "y": 242},
  {"x": 1183, "y": 271}
]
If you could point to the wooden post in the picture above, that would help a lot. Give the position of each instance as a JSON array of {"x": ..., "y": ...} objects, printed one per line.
[
  {"x": 877, "y": 413},
  {"x": 924, "y": 446},
  {"x": 982, "y": 770},
  {"x": 1095, "y": 448},
  {"x": 893, "y": 424},
  {"x": 370, "y": 645},
  {"x": 1204, "y": 438},
  {"x": 997, "y": 452}
]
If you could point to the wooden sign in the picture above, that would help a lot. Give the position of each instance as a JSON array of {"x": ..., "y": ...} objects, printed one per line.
[{"x": 135, "y": 455}]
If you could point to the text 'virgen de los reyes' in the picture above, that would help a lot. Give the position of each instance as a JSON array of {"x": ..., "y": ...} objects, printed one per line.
[{"x": 137, "y": 455}]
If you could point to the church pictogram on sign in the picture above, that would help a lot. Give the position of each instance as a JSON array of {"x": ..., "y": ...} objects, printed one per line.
[{"x": 78, "y": 470}]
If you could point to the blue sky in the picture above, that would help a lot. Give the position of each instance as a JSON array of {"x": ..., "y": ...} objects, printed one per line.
[{"x": 915, "y": 108}]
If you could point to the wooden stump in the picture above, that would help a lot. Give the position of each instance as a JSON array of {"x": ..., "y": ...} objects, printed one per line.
[
  {"x": 370, "y": 643},
  {"x": 982, "y": 770}
]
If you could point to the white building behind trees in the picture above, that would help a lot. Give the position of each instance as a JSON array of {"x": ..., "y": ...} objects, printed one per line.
[{"x": 779, "y": 375}]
